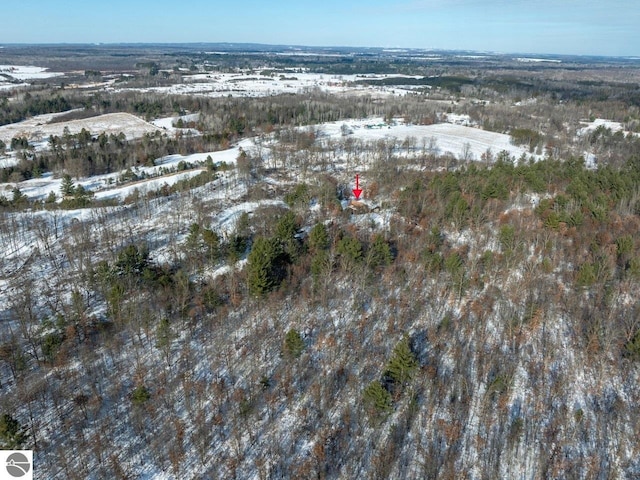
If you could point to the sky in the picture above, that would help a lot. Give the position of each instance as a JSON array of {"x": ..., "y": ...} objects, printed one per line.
[{"x": 580, "y": 27}]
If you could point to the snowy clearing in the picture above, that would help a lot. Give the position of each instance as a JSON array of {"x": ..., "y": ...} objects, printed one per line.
[
  {"x": 21, "y": 72},
  {"x": 453, "y": 139},
  {"x": 38, "y": 129},
  {"x": 167, "y": 123},
  {"x": 251, "y": 84}
]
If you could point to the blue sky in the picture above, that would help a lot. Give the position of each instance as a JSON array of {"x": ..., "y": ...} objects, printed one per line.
[{"x": 582, "y": 27}]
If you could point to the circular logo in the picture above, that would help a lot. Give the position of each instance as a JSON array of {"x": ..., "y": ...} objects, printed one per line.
[{"x": 17, "y": 465}]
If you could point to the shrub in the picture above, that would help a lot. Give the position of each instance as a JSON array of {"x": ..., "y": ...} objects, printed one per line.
[{"x": 140, "y": 395}]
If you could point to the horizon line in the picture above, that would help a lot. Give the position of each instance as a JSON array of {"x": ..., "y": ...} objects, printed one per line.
[{"x": 389, "y": 49}]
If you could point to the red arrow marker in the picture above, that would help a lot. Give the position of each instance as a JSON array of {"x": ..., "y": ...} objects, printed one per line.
[{"x": 357, "y": 192}]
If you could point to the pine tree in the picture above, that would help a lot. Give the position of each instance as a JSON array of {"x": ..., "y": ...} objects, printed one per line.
[
  {"x": 379, "y": 254},
  {"x": 12, "y": 435},
  {"x": 163, "y": 334},
  {"x": 211, "y": 242},
  {"x": 318, "y": 238},
  {"x": 293, "y": 344},
  {"x": 19, "y": 198},
  {"x": 285, "y": 233},
  {"x": 286, "y": 227},
  {"x": 67, "y": 187},
  {"x": 140, "y": 395},
  {"x": 377, "y": 397},
  {"x": 193, "y": 239},
  {"x": 403, "y": 364},
  {"x": 265, "y": 266},
  {"x": 350, "y": 249}
]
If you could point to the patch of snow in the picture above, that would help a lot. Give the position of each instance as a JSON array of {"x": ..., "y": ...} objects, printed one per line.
[
  {"x": 168, "y": 123},
  {"x": 600, "y": 122},
  {"x": 21, "y": 72},
  {"x": 536, "y": 60},
  {"x": 460, "y": 119}
]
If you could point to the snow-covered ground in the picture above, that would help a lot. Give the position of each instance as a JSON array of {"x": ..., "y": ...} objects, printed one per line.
[
  {"x": 8, "y": 161},
  {"x": 536, "y": 60},
  {"x": 22, "y": 72},
  {"x": 250, "y": 84},
  {"x": 168, "y": 123},
  {"x": 9, "y": 86},
  {"x": 453, "y": 139},
  {"x": 38, "y": 129},
  {"x": 13, "y": 76},
  {"x": 456, "y": 140},
  {"x": 244, "y": 348},
  {"x": 603, "y": 122},
  {"x": 105, "y": 186}
]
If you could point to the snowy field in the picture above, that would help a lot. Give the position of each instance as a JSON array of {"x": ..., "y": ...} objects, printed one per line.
[
  {"x": 38, "y": 129},
  {"x": 452, "y": 139},
  {"x": 10, "y": 75},
  {"x": 20, "y": 72},
  {"x": 256, "y": 85}
]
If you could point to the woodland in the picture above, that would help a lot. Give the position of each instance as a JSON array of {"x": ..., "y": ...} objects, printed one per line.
[{"x": 469, "y": 317}]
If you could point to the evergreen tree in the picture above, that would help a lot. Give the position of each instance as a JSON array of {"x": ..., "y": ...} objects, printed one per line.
[
  {"x": 211, "y": 242},
  {"x": 12, "y": 436},
  {"x": 193, "y": 239},
  {"x": 140, "y": 395},
  {"x": 320, "y": 262},
  {"x": 131, "y": 261},
  {"x": 265, "y": 266},
  {"x": 285, "y": 234},
  {"x": 163, "y": 333},
  {"x": 318, "y": 238},
  {"x": 286, "y": 227},
  {"x": 379, "y": 254},
  {"x": 293, "y": 344},
  {"x": 377, "y": 397},
  {"x": 403, "y": 364},
  {"x": 350, "y": 249},
  {"x": 51, "y": 198},
  {"x": 19, "y": 198},
  {"x": 67, "y": 187}
]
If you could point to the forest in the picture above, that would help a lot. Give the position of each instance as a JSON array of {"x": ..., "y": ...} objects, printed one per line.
[{"x": 208, "y": 299}]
